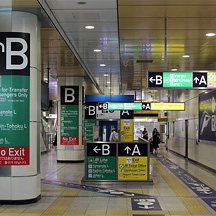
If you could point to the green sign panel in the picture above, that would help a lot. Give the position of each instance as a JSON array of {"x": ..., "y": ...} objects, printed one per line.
[
  {"x": 124, "y": 106},
  {"x": 177, "y": 79},
  {"x": 69, "y": 130},
  {"x": 14, "y": 124},
  {"x": 101, "y": 167},
  {"x": 89, "y": 126}
]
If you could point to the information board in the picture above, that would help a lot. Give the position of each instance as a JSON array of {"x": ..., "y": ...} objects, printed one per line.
[
  {"x": 14, "y": 99},
  {"x": 101, "y": 161},
  {"x": 132, "y": 161},
  {"x": 69, "y": 115}
]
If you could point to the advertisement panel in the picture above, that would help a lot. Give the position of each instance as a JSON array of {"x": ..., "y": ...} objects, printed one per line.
[
  {"x": 207, "y": 116},
  {"x": 14, "y": 98}
]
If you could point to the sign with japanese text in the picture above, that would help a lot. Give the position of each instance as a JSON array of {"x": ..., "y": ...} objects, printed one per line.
[
  {"x": 69, "y": 115},
  {"x": 14, "y": 98}
]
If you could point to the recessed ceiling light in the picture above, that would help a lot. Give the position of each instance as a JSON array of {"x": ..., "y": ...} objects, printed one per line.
[
  {"x": 186, "y": 56},
  {"x": 173, "y": 69},
  {"x": 89, "y": 27},
  {"x": 210, "y": 34},
  {"x": 81, "y": 3},
  {"x": 97, "y": 50},
  {"x": 108, "y": 82},
  {"x": 102, "y": 65},
  {"x": 106, "y": 75}
]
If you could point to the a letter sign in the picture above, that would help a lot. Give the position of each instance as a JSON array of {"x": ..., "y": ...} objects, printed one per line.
[
  {"x": 14, "y": 98},
  {"x": 69, "y": 115},
  {"x": 101, "y": 161}
]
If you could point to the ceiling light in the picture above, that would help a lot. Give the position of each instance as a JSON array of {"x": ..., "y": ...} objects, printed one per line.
[
  {"x": 206, "y": 92},
  {"x": 97, "y": 50},
  {"x": 173, "y": 69},
  {"x": 108, "y": 82},
  {"x": 102, "y": 65},
  {"x": 210, "y": 34},
  {"x": 106, "y": 75},
  {"x": 89, "y": 27},
  {"x": 81, "y": 3},
  {"x": 186, "y": 56}
]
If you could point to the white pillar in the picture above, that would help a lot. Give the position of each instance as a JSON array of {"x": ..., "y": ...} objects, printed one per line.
[
  {"x": 20, "y": 172},
  {"x": 70, "y": 136}
]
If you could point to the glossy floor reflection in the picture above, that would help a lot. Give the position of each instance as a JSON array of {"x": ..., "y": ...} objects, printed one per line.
[{"x": 170, "y": 194}]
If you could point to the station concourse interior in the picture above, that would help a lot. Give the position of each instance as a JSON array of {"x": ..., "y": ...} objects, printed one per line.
[{"x": 87, "y": 54}]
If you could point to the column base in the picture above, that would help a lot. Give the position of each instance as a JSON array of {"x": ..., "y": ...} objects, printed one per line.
[
  {"x": 70, "y": 155},
  {"x": 23, "y": 189}
]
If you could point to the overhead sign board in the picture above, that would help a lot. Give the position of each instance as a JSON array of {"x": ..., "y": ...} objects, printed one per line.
[
  {"x": 168, "y": 106},
  {"x": 179, "y": 79},
  {"x": 124, "y": 106}
]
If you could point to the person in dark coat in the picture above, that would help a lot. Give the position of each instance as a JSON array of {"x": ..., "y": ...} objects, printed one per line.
[
  {"x": 145, "y": 134},
  {"x": 156, "y": 140}
]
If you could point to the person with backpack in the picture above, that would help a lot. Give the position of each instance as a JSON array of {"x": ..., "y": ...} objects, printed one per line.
[{"x": 114, "y": 136}]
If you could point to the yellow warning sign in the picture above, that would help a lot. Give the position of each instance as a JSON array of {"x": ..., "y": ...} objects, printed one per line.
[{"x": 132, "y": 168}]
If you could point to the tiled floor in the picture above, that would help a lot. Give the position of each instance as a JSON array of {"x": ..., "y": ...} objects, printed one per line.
[{"x": 169, "y": 195}]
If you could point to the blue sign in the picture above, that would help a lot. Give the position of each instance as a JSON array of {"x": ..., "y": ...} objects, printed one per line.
[
  {"x": 207, "y": 116},
  {"x": 145, "y": 204},
  {"x": 197, "y": 186}
]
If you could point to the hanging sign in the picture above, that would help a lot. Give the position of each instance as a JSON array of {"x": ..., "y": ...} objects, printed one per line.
[
  {"x": 14, "y": 98},
  {"x": 181, "y": 80}
]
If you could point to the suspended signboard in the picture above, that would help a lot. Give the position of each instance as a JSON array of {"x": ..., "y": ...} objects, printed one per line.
[{"x": 186, "y": 79}]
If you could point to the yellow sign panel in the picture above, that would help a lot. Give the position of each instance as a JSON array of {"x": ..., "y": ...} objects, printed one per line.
[
  {"x": 126, "y": 134},
  {"x": 211, "y": 79},
  {"x": 145, "y": 112},
  {"x": 132, "y": 168},
  {"x": 168, "y": 106}
]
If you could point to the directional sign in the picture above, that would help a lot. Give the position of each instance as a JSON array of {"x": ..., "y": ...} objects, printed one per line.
[
  {"x": 199, "y": 79},
  {"x": 124, "y": 106},
  {"x": 132, "y": 161},
  {"x": 101, "y": 149},
  {"x": 103, "y": 106},
  {"x": 101, "y": 161},
  {"x": 146, "y": 106},
  {"x": 186, "y": 79},
  {"x": 132, "y": 149},
  {"x": 155, "y": 79}
]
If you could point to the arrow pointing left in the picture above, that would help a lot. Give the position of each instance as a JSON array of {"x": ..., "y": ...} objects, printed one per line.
[{"x": 96, "y": 149}]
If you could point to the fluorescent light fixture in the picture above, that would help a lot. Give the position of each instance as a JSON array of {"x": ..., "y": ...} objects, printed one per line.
[
  {"x": 89, "y": 27},
  {"x": 202, "y": 71},
  {"x": 106, "y": 75},
  {"x": 186, "y": 56},
  {"x": 102, "y": 65},
  {"x": 173, "y": 69},
  {"x": 206, "y": 92},
  {"x": 97, "y": 50},
  {"x": 210, "y": 34},
  {"x": 108, "y": 82}
]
